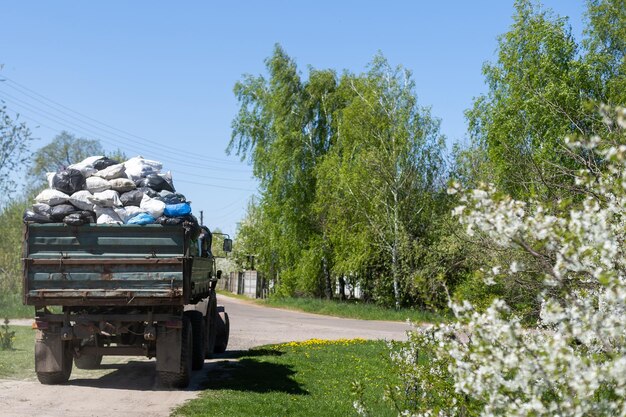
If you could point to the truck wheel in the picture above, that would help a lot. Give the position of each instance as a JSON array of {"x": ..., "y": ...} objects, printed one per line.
[
  {"x": 223, "y": 331},
  {"x": 181, "y": 379},
  {"x": 211, "y": 328},
  {"x": 59, "y": 377},
  {"x": 198, "y": 329},
  {"x": 89, "y": 361}
]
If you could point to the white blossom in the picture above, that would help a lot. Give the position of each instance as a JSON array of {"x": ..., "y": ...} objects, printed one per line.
[{"x": 574, "y": 362}]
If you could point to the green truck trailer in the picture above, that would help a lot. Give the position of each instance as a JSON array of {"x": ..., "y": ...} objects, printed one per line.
[{"x": 122, "y": 290}]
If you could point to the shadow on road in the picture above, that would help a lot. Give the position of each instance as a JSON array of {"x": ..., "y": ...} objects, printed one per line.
[
  {"x": 239, "y": 370},
  {"x": 132, "y": 375}
]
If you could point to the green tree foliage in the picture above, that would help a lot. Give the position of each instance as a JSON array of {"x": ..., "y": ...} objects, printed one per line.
[
  {"x": 348, "y": 168},
  {"x": 387, "y": 170},
  {"x": 537, "y": 94},
  {"x": 15, "y": 139},
  {"x": 64, "y": 150},
  {"x": 545, "y": 86},
  {"x": 605, "y": 46},
  {"x": 11, "y": 245},
  {"x": 283, "y": 128}
]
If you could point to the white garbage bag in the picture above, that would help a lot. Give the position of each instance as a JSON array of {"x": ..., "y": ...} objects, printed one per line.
[
  {"x": 122, "y": 185},
  {"x": 138, "y": 167},
  {"x": 86, "y": 165},
  {"x": 112, "y": 172},
  {"x": 152, "y": 206},
  {"x": 106, "y": 215},
  {"x": 52, "y": 197},
  {"x": 96, "y": 184},
  {"x": 82, "y": 200},
  {"x": 107, "y": 198}
]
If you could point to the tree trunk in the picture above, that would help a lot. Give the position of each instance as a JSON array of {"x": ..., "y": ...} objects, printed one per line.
[
  {"x": 342, "y": 288},
  {"x": 328, "y": 288},
  {"x": 394, "y": 253}
]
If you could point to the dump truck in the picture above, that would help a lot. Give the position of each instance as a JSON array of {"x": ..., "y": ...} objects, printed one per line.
[{"x": 123, "y": 290}]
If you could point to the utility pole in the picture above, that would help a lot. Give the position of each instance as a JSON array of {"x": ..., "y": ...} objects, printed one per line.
[{"x": 201, "y": 217}]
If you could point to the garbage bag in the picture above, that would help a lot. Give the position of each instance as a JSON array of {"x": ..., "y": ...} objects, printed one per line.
[
  {"x": 112, "y": 172},
  {"x": 131, "y": 198},
  {"x": 32, "y": 217},
  {"x": 122, "y": 185},
  {"x": 156, "y": 182},
  {"x": 81, "y": 200},
  {"x": 108, "y": 198},
  {"x": 138, "y": 167},
  {"x": 104, "y": 163},
  {"x": 152, "y": 206},
  {"x": 86, "y": 165},
  {"x": 126, "y": 213},
  {"x": 189, "y": 221},
  {"x": 167, "y": 176},
  {"x": 57, "y": 213},
  {"x": 164, "y": 220},
  {"x": 96, "y": 184},
  {"x": 141, "y": 218},
  {"x": 177, "y": 210},
  {"x": 41, "y": 208},
  {"x": 79, "y": 218},
  {"x": 171, "y": 198},
  {"x": 106, "y": 215},
  {"x": 68, "y": 181},
  {"x": 148, "y": 191},
  {"x": 52, "y": 197}
]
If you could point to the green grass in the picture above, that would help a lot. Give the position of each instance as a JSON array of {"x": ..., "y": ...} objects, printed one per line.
[
  {"x": 19, "y": 363},
  {"x": 353, "y": 309},
  {"x": 296, "y": 379},
  {"x": 11, "y": 306}
]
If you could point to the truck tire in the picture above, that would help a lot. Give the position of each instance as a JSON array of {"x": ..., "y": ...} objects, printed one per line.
[
  {"x": 211, "y": 328},
  {"x": 89, "y": 361},
  {"x": 181, "y": 379},
  {"x": 198, "y": 329},
  {"x": 60, "y": 377},
  {"x": 223, "y": 331}
]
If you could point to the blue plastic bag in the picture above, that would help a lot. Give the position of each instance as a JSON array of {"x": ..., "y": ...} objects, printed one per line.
[
  {"x": 177, "y": 210},
  {"x": 141, "y": 219}
]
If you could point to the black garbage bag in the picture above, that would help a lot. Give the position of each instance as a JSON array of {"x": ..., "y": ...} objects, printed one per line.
[
  {"x": 156, "y": 182},
  {"x": 171, "y": 198},
  {"x": 148, "y": 191},
  {"x": 32, "y": 217},
  {"x": 169, "y": 220},
  {"x": 105, "y": 162},
  {"x": 68, "y": 181},
  {"x": 79, "y": 218},
  {"x": 58, "y": 213},
  {"x": 189, "y": 222},
  {"x": 131, "y": 198}
]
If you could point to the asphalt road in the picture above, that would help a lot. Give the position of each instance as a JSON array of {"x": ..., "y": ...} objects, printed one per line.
[{"x": 128, "y": 386}]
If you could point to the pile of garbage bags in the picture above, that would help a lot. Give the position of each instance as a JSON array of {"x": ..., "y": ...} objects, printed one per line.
[{"x": 104, "y": 191}]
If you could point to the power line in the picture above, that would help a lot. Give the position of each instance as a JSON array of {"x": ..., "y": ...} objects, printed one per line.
[
  {"x": 177, "y": 180},
  {"x": 111, "y": 141},
  {"x": 216, "y": 186},
  {"x": 20, "y": 88}
]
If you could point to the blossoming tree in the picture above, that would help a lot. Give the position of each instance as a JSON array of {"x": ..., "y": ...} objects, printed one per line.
[{"x": 573, "y": 362}]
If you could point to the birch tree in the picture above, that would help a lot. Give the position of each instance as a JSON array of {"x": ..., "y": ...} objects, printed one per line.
[{"x": 389, "y": 159}]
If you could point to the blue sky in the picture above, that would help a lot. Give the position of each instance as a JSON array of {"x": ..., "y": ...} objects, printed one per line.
[{"x": 155, "y": 78}]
